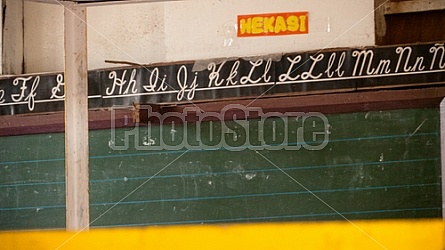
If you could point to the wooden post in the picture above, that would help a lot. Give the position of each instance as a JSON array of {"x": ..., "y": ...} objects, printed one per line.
[
  {"x": 442, "y": 150},
  {"x": 76, "y": 118},
  {"x": 380, "y": 22}
]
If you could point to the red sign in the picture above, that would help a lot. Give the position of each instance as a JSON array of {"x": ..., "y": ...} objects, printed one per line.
[{"x": 273, "y": 24}]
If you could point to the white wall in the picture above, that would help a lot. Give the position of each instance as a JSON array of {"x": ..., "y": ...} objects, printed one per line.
[
  {"x": 132, "y": 33},
  {"x": 43, "y": 37},
  {"x": 127, "y": 32},
  {"x": 197, "y": 29},
  {"x": 12, "y": 37},
  {"x": 191, "y": 30}
]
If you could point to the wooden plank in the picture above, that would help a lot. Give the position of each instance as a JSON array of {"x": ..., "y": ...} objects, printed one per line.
[
  {"x": 54, "y": 122},
  {"x": 413, "y": 6},
  {"x": 76, "y": 118},
  {"x": 13, "y": 37},
  {"x": 102, "y": 3},
  {"x": 326, "y": 103},
  {"x": 379, "y": 19},
  {"x": 414, "y": 27},
  {"x": 442, "y": 150},
  {"x": 406, "y": 235}
]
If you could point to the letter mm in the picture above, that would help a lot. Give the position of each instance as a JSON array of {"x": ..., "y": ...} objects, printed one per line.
[{"x": 273, "y": 24}]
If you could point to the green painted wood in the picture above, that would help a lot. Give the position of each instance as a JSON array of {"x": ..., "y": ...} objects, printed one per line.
[{"x": 376, "y": 165}]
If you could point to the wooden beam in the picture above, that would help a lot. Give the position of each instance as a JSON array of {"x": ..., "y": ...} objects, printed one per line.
[
  {"x": 13, "y": 43},
  {"x": 380, "y": 22},
  {"x": 325, "y": 103},
  {"x": 76, "y": 118},
  {"x": 11, "y": 125},
  {"x": 101, "y": 3},
  {"x": 413, "y": 6}
]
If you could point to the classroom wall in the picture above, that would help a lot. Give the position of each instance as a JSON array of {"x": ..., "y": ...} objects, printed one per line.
[{"x": 190, "y": 30}]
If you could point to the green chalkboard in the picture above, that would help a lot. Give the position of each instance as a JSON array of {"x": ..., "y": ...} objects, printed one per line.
[{"x": 375, "y": 165}]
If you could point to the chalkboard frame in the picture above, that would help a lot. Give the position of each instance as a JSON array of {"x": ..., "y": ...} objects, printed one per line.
[{"x": 333, "y": 103}]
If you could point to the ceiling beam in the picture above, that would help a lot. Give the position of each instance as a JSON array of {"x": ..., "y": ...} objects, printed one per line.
[
  {"x": 91, "y": 3},
  {"x": 413, "y": 6}
]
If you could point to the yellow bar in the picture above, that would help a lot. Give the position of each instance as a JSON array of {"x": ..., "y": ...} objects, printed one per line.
[{"x": 361, "y": 235}]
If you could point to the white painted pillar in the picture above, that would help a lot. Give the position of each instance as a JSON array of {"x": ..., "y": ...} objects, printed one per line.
[
  {"x": 76, "y": 118},
  {"x": 442, "y": 150},
  {"x": 1, "y": 40}
]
